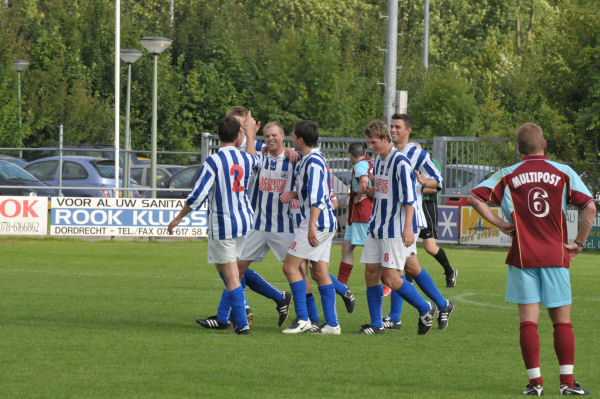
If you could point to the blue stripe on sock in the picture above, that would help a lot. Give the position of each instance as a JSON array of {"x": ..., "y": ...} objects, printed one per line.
[
  {"x": 311, "y": 305},
  {"x": 412, "y": 296},
  {"x": 258, "y": 284},
  {"x": 299, "y": 292},
  {"x": 238, "y": 310},
  {"x": 375, "y": 304},
  {"x": 428, "y": 287},
  {"x": 328, "y": 302},
  {"x": 340, "y": 288},
  {"x": 396, "y": 303}
]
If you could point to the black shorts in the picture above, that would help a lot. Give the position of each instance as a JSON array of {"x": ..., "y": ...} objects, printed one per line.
[{"x": 430, "y": 210}]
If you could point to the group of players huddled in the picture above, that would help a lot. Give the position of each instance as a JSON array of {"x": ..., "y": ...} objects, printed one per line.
[{"x": 264, "y": 196}]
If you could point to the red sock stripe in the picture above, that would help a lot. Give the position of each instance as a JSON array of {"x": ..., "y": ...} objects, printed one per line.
[
  {"x": 564, "y": 345},
  {"x": 344, "y": 272},
  {"x": 530, "y": 344}
]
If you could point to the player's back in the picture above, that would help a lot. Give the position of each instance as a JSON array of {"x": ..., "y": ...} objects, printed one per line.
[
  {"x": 534, "y": 194},
  {"x": 223, "y": 180}
]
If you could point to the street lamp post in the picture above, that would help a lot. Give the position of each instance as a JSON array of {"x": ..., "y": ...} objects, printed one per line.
[
  {"x": 155, "y": 45},
  {"x": 128, "y": 56},
  {"x": 19, "y": 66}
]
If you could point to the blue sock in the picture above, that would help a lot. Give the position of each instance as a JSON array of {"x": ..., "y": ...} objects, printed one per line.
[
  {"x": 313, "y": 312},
  {"x": 328, "y": 302},
  {"x": 412, "y": 296},
  {"x": 428, "y": 286},
  {"x": 396, "y": 302},
  {"x": 243, "y": 284},
  {"x": 375, "y": 304},
  {"x": 258, "y": 284},
  {"x": 299, "y": 292},
  {"x": 238, "y": 310},
  {"x": 340, "y": 288},
  {"x": 224, "y": 308}
]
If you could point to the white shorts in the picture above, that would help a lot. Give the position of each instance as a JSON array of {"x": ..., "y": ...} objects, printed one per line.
[
  {"x": 302, "y": 249},
  {"x": 389, "y": 252},
  {"x": 258, "y": 243},
  {"x": 224, "y": 251}
]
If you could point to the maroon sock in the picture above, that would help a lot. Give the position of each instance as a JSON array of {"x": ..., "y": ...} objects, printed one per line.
[
  {"x": 530, "y": 349},
  {"x": 344, "y": 272},
  {"x": 564, "y": 346}
]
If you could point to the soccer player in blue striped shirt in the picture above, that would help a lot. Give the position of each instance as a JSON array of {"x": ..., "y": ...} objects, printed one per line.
[
  {"x": 422, "y": 166},
  {"x": 312, "y": 241},
  {"x": 392, "y": 229},
  {"x": 222, "y": 181}
]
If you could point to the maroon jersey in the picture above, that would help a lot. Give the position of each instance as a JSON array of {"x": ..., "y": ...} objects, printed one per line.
[{"x": 534, "y": 195}]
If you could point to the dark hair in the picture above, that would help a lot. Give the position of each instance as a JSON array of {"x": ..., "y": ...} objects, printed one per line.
[
  {"x": 308, "y": 131},
  {"x": 407, "y": 121},
  {"x": 228, "y": 129},
  {"x": 356, "y": 150}
]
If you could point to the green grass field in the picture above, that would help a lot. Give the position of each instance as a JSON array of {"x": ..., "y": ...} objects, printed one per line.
[{"x": 115, "y": 319}]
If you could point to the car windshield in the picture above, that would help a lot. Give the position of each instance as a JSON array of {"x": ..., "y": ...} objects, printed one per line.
[
  {"x": 106, "y": 169},
  {"x": 10, "y": 171}
]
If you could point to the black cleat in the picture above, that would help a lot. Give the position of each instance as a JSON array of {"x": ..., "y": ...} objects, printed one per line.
[
  {"x": 369, "y": 329},
  {"x": 574, "y": 390},
  {"x": 283, "y": 308},
  {"x": 242, "y": 331},
  {"x": 451, "y": 279},
  {"x": 349, "y": 301},
  {"x": 213, "y": 323},
  {"x": 443, "y": 316},
  {"x": 536, "y": 390},
  {"x": 426, "y": 320},
  {"x": 389, "y": 324}
]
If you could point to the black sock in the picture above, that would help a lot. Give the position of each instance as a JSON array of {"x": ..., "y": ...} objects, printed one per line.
[{"x": 441, "y": 257}]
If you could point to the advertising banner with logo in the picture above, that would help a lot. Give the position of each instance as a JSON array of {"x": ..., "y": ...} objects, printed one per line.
[
  {"x": 23, "y": 215},
  {"x": 475, "y": 230},
  {"x": 123, "y": 217},
  {"x": 448, "y": 224}
]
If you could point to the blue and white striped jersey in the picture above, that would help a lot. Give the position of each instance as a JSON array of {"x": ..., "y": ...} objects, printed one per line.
[
  {"x": 223, "y": 180},
  {"x": 314, "y": 189},
  {"x": 394, "y": 187},
  {"x": 420, "y": 161},
  {"x": 276, "y": 176}
]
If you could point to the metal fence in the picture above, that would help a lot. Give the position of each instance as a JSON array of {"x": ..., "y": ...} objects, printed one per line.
[{"x": 465, "y": 162}]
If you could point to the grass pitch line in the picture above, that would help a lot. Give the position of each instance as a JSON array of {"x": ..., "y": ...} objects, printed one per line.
[{"x": 464, "y": 298}]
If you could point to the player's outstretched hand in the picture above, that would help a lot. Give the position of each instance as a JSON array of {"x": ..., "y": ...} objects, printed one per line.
[
  {"x": 573, "y": 250},
  {"x": 291, "y": 154},
  {"x": 172, "y": 225}
]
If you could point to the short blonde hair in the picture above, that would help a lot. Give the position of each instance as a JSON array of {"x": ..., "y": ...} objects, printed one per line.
[
  {"x": 238, "y": 110},
  {"x": 271, "y": 125},
  {"x": 376, "y": 129},
  {"x": 530, "y": 138}
]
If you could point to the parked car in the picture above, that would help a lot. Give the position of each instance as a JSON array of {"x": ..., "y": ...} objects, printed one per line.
[
  {"x": 89, "y": 173},
  {"x": 13, "y": 175},
  {"x": 141, "y": 173},
  {"x": 17, "y": 161},
  {"x": 459, "y": 180},
  {"x": 181, "y": 183},
  {"x": 87, "y": 150}
]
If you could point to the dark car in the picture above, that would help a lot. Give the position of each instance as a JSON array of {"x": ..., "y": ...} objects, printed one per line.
[
  {"x": 13, "y": 175},
  {"x": 180, "y": 183},
  {"x": 17, "y": 161},
  {"x": 88, "y": 176},
  {"x": 141, "y": 173}
]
